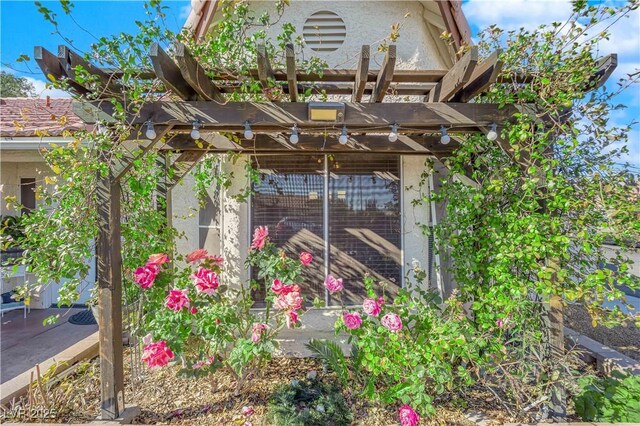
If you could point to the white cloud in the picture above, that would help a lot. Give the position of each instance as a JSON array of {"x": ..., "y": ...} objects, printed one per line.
[
  {"x": 42, "y": 91},
  {"x": 515, "y": 14}
]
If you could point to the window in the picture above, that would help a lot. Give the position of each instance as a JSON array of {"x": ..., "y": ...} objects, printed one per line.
[
  {"x": 27, "y": 194},
  {"x": 360, "y": 217}
]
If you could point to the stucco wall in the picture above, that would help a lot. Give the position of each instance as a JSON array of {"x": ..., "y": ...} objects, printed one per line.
[{"x": 366, "y": 23}]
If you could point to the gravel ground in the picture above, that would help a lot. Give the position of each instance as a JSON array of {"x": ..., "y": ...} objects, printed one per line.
[{"x": 624, "y": 338}]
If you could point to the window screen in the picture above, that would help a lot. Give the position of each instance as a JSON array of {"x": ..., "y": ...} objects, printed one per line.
[
  {"x": 289, "y": 200},
  {"x": 364, "y": 222},
  {"x": 27, "y": 194}
]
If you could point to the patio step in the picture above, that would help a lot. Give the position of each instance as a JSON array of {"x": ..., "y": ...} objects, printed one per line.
[{"x": 19, "y": 385}]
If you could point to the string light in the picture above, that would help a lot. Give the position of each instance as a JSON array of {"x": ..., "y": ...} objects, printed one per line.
[
  {"x": 492, "y": 134},
  {"x": 195, "y": 131},
  {"x": 294, "y": 135},
  {"x": 393, "y": 135},
  {"x": 248, "y": 133},
  {"x": 444, "y": 138},
  {"x": 343, "y": 136},
  {"x": 151, "y": 132}
]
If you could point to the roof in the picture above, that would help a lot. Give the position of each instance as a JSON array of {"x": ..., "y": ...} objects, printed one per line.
[
  {"x": 24, "y": 117},
  {"x": 439, "y": 15}
]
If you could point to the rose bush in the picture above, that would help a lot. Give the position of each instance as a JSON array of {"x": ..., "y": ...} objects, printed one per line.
[{"x": 191, "y": 315}]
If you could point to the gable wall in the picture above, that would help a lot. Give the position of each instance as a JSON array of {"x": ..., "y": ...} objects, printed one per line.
[{"x": 366, "y": 23}]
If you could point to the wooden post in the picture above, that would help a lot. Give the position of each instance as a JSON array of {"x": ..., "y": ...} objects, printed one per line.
[
  {"x": 555, "y": 312},
  {"x": 164, "y": 202},
  {"x": 110, "y": 296}
]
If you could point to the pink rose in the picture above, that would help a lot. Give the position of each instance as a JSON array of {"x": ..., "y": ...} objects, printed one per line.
[
  {"x": 500, "y": 323},
  {"x": 392, "y": 322},
  {"x": 146, "y": 275},
  {"x": 258, "y": 329},
  {"x": 198, "y": 364},
  {"x": 381, "y": 301},
  {"x": 371, "y": 307},
  {"x": 177, "y": 299},
  {"x": 158, "y": 259},
  {"x": 288, "y": 301},
  {"x": 157, "y": 354},
  {"x": 206, "y": 281},
  {"x": 247, "y": 410},
  {"x": 408, "y": 417},
  {"x": 197, "y": 255},
  {"x": 277, "y": 286},
  {"x": 306, "y": 258},
  {"x": 259, "y": 237},
  {"x": 333, "y": 284},
  {"x": 292, "y": 319},
  {"x": 352, "y": 320},
  {"x": 193, "y": 310}
]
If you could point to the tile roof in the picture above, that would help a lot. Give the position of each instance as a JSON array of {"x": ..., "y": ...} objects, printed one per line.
[{"x": 23, "y": 117}]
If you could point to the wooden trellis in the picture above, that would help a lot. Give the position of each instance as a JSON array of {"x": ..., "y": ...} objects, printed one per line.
[{"x": 196, "y": 93}]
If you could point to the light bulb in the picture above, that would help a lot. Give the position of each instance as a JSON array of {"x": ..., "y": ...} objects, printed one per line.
[
  {"x": 151, "y": 132},
  {"x": 248, "y": 133},
  {"x": 393, "y": 135},
  {"x": 195, "y": 131},
  {"x": 343, "y": 136},
  {"x": 492, "y": 134},
  {"x": 294, "y": 135},
  {"x": 444, "y": 138}
]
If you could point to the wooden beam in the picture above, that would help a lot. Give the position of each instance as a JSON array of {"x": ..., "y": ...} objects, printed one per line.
[
  {"x": 385, "y": 75},
  {"x": 484, "y": 75},
  {"x": 274, "y": 116},
  {"x": 109, "y": 277},
  {"x": 183, "y": 165},
  {"x": 169, "y": 73},
  {"x": 605, "y": 67},
  {"x": 196, "y": 76},
  {"x": 265, "y": 72},
  {"x": 318, "y": 144},
  {"x": 70, "y": 60},
  {"x": 53, "y": 69},
  {"x": 291, "y": 72},
  {"x": 362, "y": 74},
  {"x": 121, "y": 165},
  {"x": 456, "y": 78}
]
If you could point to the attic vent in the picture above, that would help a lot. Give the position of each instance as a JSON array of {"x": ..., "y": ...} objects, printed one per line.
[{"x": 324, "y": 31}]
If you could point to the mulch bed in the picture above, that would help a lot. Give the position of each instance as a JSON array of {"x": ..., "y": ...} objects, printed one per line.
[
  {"x": 167, "y": 399},
  {"x": 623, "y": 338}
]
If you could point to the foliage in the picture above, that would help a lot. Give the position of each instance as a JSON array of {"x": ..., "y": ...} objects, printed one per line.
[
  {"x": 610, "y": 399},
  {"x": 331, "y": 353},
  {"x": 15, "y": 87},
  {"x": 436, "y": 349},
  {"x": 210, "y": 324},
  {"x": 308, "y": 402},
  {"x": 11, "y": 231},
  {"x": 547, "y": 197}
]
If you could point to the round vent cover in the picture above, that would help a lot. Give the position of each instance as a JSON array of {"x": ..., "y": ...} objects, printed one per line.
[{"x": 324, "y": 31}]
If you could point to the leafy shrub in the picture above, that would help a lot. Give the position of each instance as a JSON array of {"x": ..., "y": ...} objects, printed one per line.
[
  {"x": 609, "y": 399},
  {"x": 308, "y": 403},
  {"x": 12, "y": 231}
]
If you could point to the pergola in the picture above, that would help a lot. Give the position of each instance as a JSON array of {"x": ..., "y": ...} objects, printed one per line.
[{"x": 195, "y": 94}]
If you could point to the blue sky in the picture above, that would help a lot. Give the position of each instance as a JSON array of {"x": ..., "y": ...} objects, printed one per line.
[{"x": 22, "y": 27}]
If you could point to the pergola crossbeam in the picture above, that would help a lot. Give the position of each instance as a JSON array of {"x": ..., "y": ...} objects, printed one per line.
[
  {"x": 265, "y": 72},
  {"x": 456, "y": 78},
  {"x": 385, "y": 75},
  {"x": 196, "y": 76},
  {"x": 53, "y": 69},
  {"x": 483, "y": 76},
  {"x": 291, "y": 72},
  {"x": 122, "y": 165},
  {"x": 70, "y": 60},
  {"x": 182, "y": 166},
  {"x": 362, "y": 74},
  {"x": 169, "y": 73},
  {"x": 605, "y": 67}
]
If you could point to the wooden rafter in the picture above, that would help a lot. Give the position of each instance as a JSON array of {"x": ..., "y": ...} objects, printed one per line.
[
  {"x": 121, "y": 165},
  {"x": 456, "y": 78},
  {"x": 169, "y": 73},
  {"x": 385, "y": 75},
  {"x": 605, "y": 67},
  {"x": 362, "y": 74},
  {"x": 484, "y": 75},
  {"x": 70, "y": 60},
  {"x": 196, "y": 76},
  {"x": 274, "y": 117},
  {"x": 291, "y": 72},
  {"x": 183, "y": 165},
  {"x": 314, "y": 144},
  {"x": 265, "y": 72},
  {"x": 53, "y": 69}
]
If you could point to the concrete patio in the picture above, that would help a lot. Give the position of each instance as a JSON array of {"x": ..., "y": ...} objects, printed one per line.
[{"x": 25, "y": 342}]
